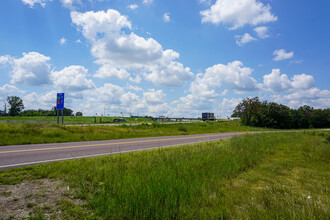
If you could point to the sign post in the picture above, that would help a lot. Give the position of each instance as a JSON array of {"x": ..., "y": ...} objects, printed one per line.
[{"x": 60, "y": 105}]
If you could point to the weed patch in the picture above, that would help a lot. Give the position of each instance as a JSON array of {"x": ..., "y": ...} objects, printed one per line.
[{"x": 264, "y": 176}]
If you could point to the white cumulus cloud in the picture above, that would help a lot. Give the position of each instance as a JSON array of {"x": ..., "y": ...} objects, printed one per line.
[
  {"x": 31, "y": 3},
  {"x": 129, "y": 99},
  {"x": 208, "y": 87},
  {"x": 205, "y": 2},
  {"x": 40, "y": 101},
  {"x": 282, "y": 55},
  {"x": 31, "y": 69},
  {"x": 133, "y": 6},
  {"x": 72, "y": 78},
  {"x": 62, "y": 41},
  {"x": 278, "y": 82},
  {"x": 153, "y": 96},
  {"x": 70, "y": 4},
  {"x": 167, "y": 72},
  {"x": 303, "y": 81},
  {"x": 313, "y": 97},
  {"x": 5, "y": 59},
  {"x": 243, "y": 39},
  {"x": 134, "y": 88},
  {"x": 238, "y": 13},
  {"x": 233, "y": 76},
  {"x": 166, "y": 17},
  {"x": 109, "y": 93},
  {"x": 121, "y": 52},
  {"x": 227, "y": 106},
  {"x": 296, "y": 91},
  {"x": 109, "y": 70},
  {"x": 262, "y": 32},
  {"x": 9, "y": 90},
  {"x": 147, "y": 2}
]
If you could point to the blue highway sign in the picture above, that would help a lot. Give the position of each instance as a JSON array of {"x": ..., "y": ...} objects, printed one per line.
[{"x": 60, "y": 101}]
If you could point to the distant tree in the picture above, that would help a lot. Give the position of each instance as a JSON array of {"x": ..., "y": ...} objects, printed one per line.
[
  {"x": 79, "y": 114},
  {"x": 277, "y": 116},
  {"x": 66, "y": 111},
  {"x": 49, "y": 113},
  {"x": 320, "y": 118},
  {"x": 16, "y": 105},
  {"x": 26, "y": 113},
  {"x": 248, "y": 109},
  {"x": 37, "y": 114},
  {"x": 302, "y": 117},
  {"x": 273, "y": 115}
]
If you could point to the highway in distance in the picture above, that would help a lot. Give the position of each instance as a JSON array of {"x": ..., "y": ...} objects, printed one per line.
[{"x": 24, "y": 155}]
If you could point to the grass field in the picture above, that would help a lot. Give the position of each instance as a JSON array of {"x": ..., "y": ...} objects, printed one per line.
[
  {"x": 265, "y": 176},
  {"x": 68, "y": 119},
  {"x": 11, "y": 134}
]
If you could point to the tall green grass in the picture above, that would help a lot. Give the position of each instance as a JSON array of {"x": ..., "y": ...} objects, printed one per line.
[
  {"x": 41, "y": 133},
  {"x": 266, "y": 176}
]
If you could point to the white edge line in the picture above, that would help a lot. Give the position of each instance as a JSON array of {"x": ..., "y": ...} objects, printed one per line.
[{"x": 96, "y": 155}]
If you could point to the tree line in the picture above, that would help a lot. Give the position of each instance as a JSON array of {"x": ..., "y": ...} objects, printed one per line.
[
  {"x": 16, "y": 108},
  {"x": 273, "y": 115}
]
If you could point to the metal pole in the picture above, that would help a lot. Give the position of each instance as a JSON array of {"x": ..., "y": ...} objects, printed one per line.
[
  {"x": 62, "y": 116},
  {"x": 58, "y": 117}
]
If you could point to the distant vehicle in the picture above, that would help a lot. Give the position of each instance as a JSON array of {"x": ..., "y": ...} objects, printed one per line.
[
  {"x": 233, "y": 118},
  {"x": 119, "y": 120},
  {"x": 208, "y": 116}
]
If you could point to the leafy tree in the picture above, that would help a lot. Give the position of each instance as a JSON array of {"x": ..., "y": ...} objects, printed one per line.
[
  {"x": 36, "y": 114},
  {"x": 248, "y": 109},
  {"x": 16, "y": 105},
  {"x": 273, "y": 115},
  {"x": 66, "y": 111},
  {"x": 79, "y": 114},
  {"x": 302, "y": 117},
  {"x": 39, "y": 112},
  {"x": 49, "y": 113},
  {"x": 320, "y": 118},
  {"x": 277, "y": 116}
]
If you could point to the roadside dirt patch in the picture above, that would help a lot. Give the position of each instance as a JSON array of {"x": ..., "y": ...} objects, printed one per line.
[{"x": 32, "y": 198}]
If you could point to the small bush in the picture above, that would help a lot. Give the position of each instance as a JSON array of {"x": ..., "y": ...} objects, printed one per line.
[
  {"x": 328, "y": 139},
  {"x": 183, "y": 129}
]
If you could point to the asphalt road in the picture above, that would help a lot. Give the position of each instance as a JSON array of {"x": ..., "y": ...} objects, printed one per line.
[{"x": 24, "y": 155}]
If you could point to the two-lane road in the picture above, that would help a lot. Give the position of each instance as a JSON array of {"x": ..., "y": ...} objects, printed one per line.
[{"x": 23, "y": 155}]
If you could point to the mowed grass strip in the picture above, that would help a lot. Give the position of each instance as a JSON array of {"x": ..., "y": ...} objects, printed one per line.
[
  {"x": 12, "y": 134},
  {"x": 264, "y": 176}
]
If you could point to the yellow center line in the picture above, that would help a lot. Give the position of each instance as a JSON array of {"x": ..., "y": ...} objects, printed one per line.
[{"x": 94, "y": 145}]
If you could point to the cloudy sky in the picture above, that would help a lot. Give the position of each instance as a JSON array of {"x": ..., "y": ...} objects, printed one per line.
[{"x": 156, "y": 57}]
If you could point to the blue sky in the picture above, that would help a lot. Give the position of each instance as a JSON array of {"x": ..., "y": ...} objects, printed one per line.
[{"x": 173, "y": 58}]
